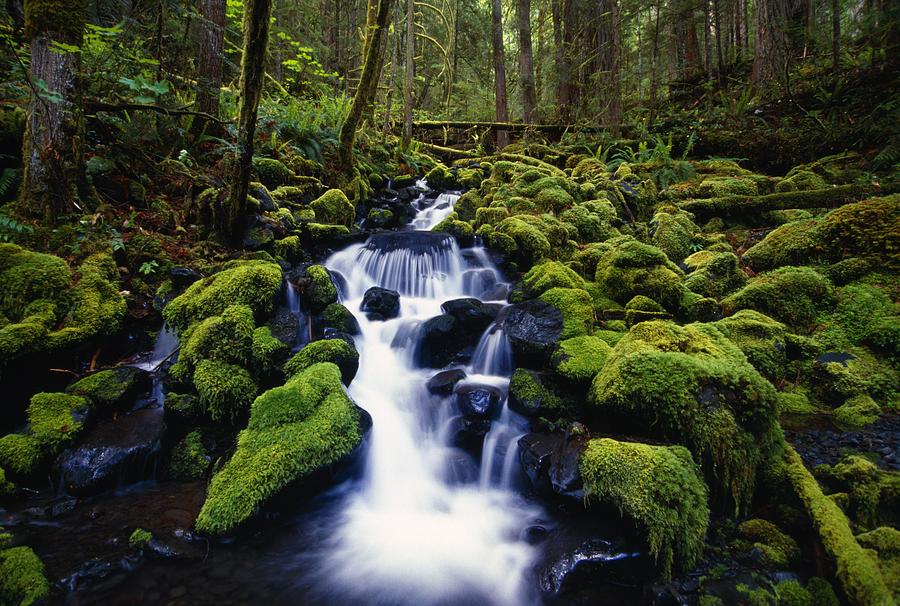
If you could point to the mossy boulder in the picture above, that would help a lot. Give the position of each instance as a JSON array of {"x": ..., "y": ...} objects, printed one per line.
[
  {"x": 793, "y": 243},
  {"x": 27, "y": 276},
  {"x": 460, "y": 230},
  {"x": 318, "y": 289},
  {"x": 227, "y": 337},
  {"x": 579, "y": 359},
  {"x": 631, "y": 268},
  {"x": 529, "y": 244},
  {"x": 549, "y": 274},
  {"x": 271, "y": 172},
  {"x": 674, "y": 233},
  {"x": 660, "y": 488},
  {"x": 576, "y": 307},
  {"x": 468, "y": 205},
  {"x": 763, "y": 340},
  {"x": 856, "y": 412},
  {"x": 190, "y": 459},
  {"x": 255, "y": 284},
  {"x": 226, "y": 390},
  {"x": 641, "y": 309},
  {"x": 336, "y": 351},
  {"x": 793, "y": 295},
  {"x": 23, "y": 580},
  {"x": 303, "y": 427},
  {"x": 333, "y": 208},
  {"x": 112, "y": 388},
  {"x": 594, "y": 220},
  {"x": 691, "y": 385},
  {"x": 779, "y": 550},
  {"x": 713, "y": 274},
  {"x": 535, "y": 394}
]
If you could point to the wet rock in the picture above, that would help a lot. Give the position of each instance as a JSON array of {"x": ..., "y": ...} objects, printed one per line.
[
  {"x": 479, "y": 401},
  {"x": 835, "y": 357},
  {"x": 443, "y": 382},
  {"x": 534, "y": 329},
  {"x": 112, "y": 388},
  {"x": 115, "y": 452},
  {"x": 550, "y": 462},
  {"x": 440, "y": 339},
  {"x": 595, "y": 562},
  {"x": 380, "y": 303},
  {"x": 471, "y": 314},
  {"x": 182, "y": 277},
  {"x": 419, "y": 242},
  {"x": 468, "y": 433}
]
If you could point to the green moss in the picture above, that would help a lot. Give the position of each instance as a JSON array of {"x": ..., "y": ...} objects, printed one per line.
[
  {"x": 489, "y": 215},
  {"x": 795, "y": 403},
  {"x": 860, "y": 311},
  {"x": 800, "y": 180},
  {"x": 549, "y": 274},
  {"x": 108, "y": 388},
  {"x": 7, "y": 491},
  {"x": 714, "y": 274},
  {"x": 821, "y": 592},
  {"x": 268, "y": 353},
  {"x": 320, "y": 231},
  {"x": 469, "y": 204},
  {"x": 252, "y": 283},
  {"x": 225, "y": 338},
  {"x": 379, "y": 217},
  {"x": 271, "y": 453},
  {"x": 674, "y": 234},
  {"x": 440, "y": 177},
  {"x": 26, "y": 276},
  {"x": 533, "y": 395},
  {"x": 336, "y": 351},
  {"x": 190, "y": 459},
  {"x": 659, "y": 487},
  {"x": 20, "y": 454},
  {"x": 320, "y": 292},
  {"x": 865, "y": 229},
  {"x": 579, "y": 359},
  {"x": 23, "y": 580},
  {"x": 780, "y": 550},
  {"x": 641, "y": 309},
  {"x": 716, "y": 187},
  {"x": 856, "y": 571},
  {"x": 691, "y": 385},
  {"x": 340, "y": 318},
  {"x": 56, "y": 419},
  {"x": 577, "y": 308},
  {"x": 762, "y": 339},
  {"x": 789, "y": 244},
  {"x": 593, "y": 220},
  {"x": 302, "y": 193},
  {"x": 632, "y": 268},
  {"x": 288, "y": 248},
  {"x": 858, "y": 411},
  {"x": 225, "y": 389},
  {"x": 792, "y": 593},
  {"x": 140, "y": 538},
  {"x": 530, "y": 244},
  {"x": 333, "y": 208},
  {"x": 793, "y": 295},
  {"x": 461, "y": 231},
  {"x": 272, "y": 173},
  {"x": 872, "y": 495}
]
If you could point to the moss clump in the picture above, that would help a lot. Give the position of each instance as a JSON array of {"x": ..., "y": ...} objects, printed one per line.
[
  {"x": 779, "y": 549},
  {"x": 489, "y": 215},
  {"x": 225, "y": 389},
  {"x": 858, "y": 411},
  {"x": 268, "y": 353},
  {"x": 468, "y": 205},
  {"x": 288, "y": 438},
  {"x": 27, "y": 276},
  {"x": 140, "y": 538},
  {"x": 272, "y": 173},
  {"x": 190, "y": 459},
  {"x": 109, "y": 388},
  {"x": 23, "y": 580},
  {"x": 641, "y": 309},
  {"x": 691, "y": 385},
  {"x": 252, "y": 283},
  {"x": 872, "y": 495},
  {"x": 856, "y": 571},
  {"x": 673, "y": 233},
  {"x": 659, "y": 487},
  {"x": 320, "y": 231},
  {"x": 530, "y": 244},
  {"x": 288, "y": 248},
  {"x": 793, "y": 295},
  {"x": 795, "y": 403},
  {"x": 532, "y": 395},
  {"x": 762, "y": 339},
  {"x": 225, "y": 338},
  {"x": 714, "y": 274},
  {"x": 461, "y": 231},
  {"x": 56, "y": 419},
  {"x": 800, "y": 180},
  {"x": 379, "y": 217},
  {"x": 7, "y": 490},
  {"x": 547, "y": 275},
  {"x": 789, "y": 244},
  {"x": 577, "y": 308},
  {"x": 885, "y": 541},
  {"x": 333, "y": 208},
  {"x": 593, "y": 220},
  {"x": 579, "y": 359},
  {"x": 20, "y": 454},
  {"x": 716, "y": 187},
  {"x": 632, "y": 268},
  {"x": 336, "y": 351},
  {"x": 339, "y": 318},
  {"x": 320, "y": 291}
]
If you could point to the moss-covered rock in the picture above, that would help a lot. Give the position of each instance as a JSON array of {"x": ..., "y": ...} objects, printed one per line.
[
  {"x": 336, "y": 351},
  {"x": 779, "y": 549},
  {"x": 461, "y": 231},
  {"x": 272, "y": 173},
  {"x": 252, "y": 283},
  {"x": 468, "y": 205},
  {"x": 224, "y": 338},
  {"x": 301, "y": 428},
  {"x": 793, "y": 295},
  {"x": 793, "y": 243},
  {"x": 23, "y": 580},
  {"x": 534, "y": 394},
  {"x": 333, "y": 208},
  {"x": 631, "y": 268},
  {"x": 659, "y": 487},
  {"x": 762, "y": 339},
  {"x": 885, "y": 541},
  {"x": 713, "y": 274},
  {"x": 800, "y": 180},
  {"x": 673, "y": 233},
  {"x": 530, "y": 244},
  {"x": 691, "y": 385},
  {"x": 872, "y": 495},
  {"x": 549, "y": 274},
  {"x": 111, "y": 388},
  {"x": 858, "y": 411},
  {"x": 27, "y": 276},
  {"x": 641, "y": 309},
  {"x": 319, "y": 232},
  {"x": 577, "y": 308},
  {"x": 225, "y": 390},
  {"x": 140, "y": 538},
  {"x": 190, "y": 459},
  {"x": 319, "y": 291},
  {"x": 579, "y": 359}
]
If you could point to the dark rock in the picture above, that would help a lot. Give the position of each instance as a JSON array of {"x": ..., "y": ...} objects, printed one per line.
[
  {"x": 380, "y": 303},
  {"x": 471, "y": 314},
  {"x": 550, "y": 462},
  {"x": 534, "y": 329},
  {"x": 534, "y": 534},
  {"x": 258, "y": 191},
  {"x": 443, "y": 382},
  {"x": 115, "y": 452},
  {"x": 479, "y": 401},
  {"x": 440, "y": 339},
  {"x": 539, "y": 395},
  {"x": 420, "y": 242},
  {"x": 182, "y": 277},
  {"x": 468, "y": 434},
  {"x": 595, "y": 562},
  {"x": 112, "y": 388},
  {"x": 834, "y": 356}
]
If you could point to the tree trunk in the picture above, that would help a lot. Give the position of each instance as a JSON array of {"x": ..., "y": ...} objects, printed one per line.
[
  {"x": 526, "y": 59},
  {"x": 835, "y": 37},
  {"x": 773, "y": 47},
  {"x": 502, "y": 113},
  {"x": 210, "y": 45},
  {"x": 610, "y": 63},
  {"x": 654, "y": 59},
  {"x": 370, "y": 74},
  {"x": 717, "y": 22},
  {"x": 228, "y": 224},
  {"x": 53, "y": 151},
  {"x": 410, "y": 73},
  {"x": 389, "y": 98},
  {"x": 559, "y": 56},
  {"x": 707, "y": 40}
]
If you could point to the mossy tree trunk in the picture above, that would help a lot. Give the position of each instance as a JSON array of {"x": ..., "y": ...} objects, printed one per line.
[
  {"x": 526, "y": 60},
  {"x": 774, "y": 20},
  {"x": 210, "y": 54},
  {"x": 410, "y": 74},
  {"x": 256, "y": 37},
  {"x": 375, "y": 42},
  {"x": 53, "y": 155},
  {"x": 610, "y": 63},
  {"x": 502, "y": 112}
]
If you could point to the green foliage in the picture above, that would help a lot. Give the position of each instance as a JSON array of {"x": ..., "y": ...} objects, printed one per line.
[
  {"x": 190, "y": 459},
  {"x": 140, "y": 538},
  {"x": 535, "y": 396},
  {"x": 579, "y": 359},
  {"x": 273, "y": 452},
  {"x": 793, "y": 295},
  {"x": 225, "y": 390},
  {"x": 23, "y": 580},
  {"x": 659, "y": 487}
]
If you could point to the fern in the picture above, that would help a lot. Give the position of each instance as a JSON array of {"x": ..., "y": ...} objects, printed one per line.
[
  {"x": 9, "y": 180},
  {"x": 888, "y": 157},
  {"x": 9, "y": 228}
]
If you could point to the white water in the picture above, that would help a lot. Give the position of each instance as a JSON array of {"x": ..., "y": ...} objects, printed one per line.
[
  {"x": 437, "y": 212},
  {"x": 427, "y": 528}
]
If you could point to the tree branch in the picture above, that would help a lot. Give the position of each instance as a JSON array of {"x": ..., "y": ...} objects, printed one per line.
[{"x": 101, "y": 106}]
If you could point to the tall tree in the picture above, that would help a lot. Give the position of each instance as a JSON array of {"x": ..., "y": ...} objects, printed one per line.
[
  {"x": 371, "y": 72},
  {"x": 53, "y": 150},
  {"x": 410, "y": 73},
  {"x": 835, "y": 36},
  {"x": 210, "y": 44},
  {"x": 526, "y": 60},
  {"x": 774, "y": 20},
  {"x": 502, "y": 112},
  {"x": 610, "y": 36},
  {"x": 389, "y": 97},
  {"x": 256, "y": 38}
]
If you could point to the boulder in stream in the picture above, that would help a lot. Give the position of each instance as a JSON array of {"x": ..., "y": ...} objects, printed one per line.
[{"x": 380, "y": 303}]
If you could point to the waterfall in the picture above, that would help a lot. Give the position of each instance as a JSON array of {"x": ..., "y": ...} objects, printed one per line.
[
  {"x": 426, "y": 527},
  {"x": 437, "y": 212},
  {"x": 292, "y": 302}
]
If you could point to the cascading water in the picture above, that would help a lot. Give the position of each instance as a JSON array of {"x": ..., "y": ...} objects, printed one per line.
[
  {"x": 435, "y": 213},
  {"x": 426, "y": 527}
]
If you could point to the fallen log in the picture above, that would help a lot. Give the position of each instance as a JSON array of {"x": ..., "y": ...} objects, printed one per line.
[
  {"x": 832, "y": 197},
  {"x": 507, "y": 126},
  {"x": 446, "y": 153}
]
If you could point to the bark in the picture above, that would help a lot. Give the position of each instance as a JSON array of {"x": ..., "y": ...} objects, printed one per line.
[
  {"x": 559, "y": 56},
  {"x": 370, "y": 74},
  {"x": 654, "y": 59},
  {"x": 773, "y": 45},
  {"x": 410, "y": 73},
  {"x": 707, "y": 39},
  {"x": 389, "y": 97},
  {"x": 835, "y": 36},
  {"x": 717, "y": 22},
  {"x": 228, "y": 224},
  {"x": 526, "y": 59},
  {"x": 210, "y": 55},
  {"x": 16, "y": 11},
  {"x": 610, "y": 63},
  {"x": 502, "y": 112},
  {"x": 52, "y": 154}
]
